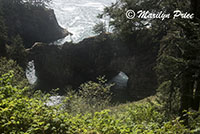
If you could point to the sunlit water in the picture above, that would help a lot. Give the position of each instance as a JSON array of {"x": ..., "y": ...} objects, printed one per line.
[
  {"x": 120, "y": 80},
  {"x": 30, "y": 72},
  {"x": 55, "y": 100},
  {"x": 79, "y": 16}
]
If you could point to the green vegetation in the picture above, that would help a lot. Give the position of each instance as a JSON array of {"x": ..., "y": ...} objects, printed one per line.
[
  {"x": 171, "y": 47},
  {"x": 178, "y": 67},
  {"x": 17, "y": 52},
  {"x": 91, "y": 97},
  {"x": 11, "y": 44},
  {"x": 19, "y": 78},
  {"x": 178, "y": 58},
  {"x": 21, "y": 113}
]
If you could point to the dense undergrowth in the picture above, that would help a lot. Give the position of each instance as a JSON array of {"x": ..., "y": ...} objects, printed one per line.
[{"x": 22, "y": 113}]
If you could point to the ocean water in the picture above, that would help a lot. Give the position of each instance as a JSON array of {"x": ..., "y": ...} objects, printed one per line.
[
  {"x": 30, "y": 73},
  {"x": 120, "y": 80},
  {"x": 79, "y": 16}
]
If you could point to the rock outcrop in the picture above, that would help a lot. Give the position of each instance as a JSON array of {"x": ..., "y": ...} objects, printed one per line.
[
  {"x": 32, "y": 23},
  {"x": 73, "y": 64}
]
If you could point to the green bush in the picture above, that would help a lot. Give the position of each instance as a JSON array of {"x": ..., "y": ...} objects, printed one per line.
[
  {"x": 22, "y": 114},
  {"x": 19, "y": 78},
  {"x": 91, "y": 97},
  {"x": 17, "y": 52}
]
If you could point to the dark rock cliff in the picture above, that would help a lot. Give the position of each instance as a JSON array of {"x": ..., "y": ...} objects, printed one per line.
[
  {"x": 32, "y": 23},
  {"x": 73, "y": 64}
]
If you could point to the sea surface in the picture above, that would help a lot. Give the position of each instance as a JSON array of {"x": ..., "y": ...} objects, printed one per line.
[{"x": 79, "y": 16}]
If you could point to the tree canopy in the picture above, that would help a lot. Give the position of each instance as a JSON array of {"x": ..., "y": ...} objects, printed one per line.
[{"x": 178, "y": 58}]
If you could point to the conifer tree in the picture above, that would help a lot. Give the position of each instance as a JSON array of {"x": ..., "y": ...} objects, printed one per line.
[{"x": 178, "y": 59}]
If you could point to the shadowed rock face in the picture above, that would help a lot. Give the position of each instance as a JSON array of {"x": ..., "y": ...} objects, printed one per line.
[
  {"x": 32, "y": 23},
  {"x": 73, "y": 64}
]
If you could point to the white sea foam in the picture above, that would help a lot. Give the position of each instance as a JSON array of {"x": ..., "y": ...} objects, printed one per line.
[
  {"x": 78, "y": 16},
  {"x": 30, "y": 72}
]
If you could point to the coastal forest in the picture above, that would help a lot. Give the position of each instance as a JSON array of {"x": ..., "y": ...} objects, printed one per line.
[{"x": 136, "y": 75}]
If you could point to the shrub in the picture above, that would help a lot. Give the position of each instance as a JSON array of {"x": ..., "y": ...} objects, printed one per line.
[
  {"x": 17, "y": 52},
  {"x": 91, "y": 97},
  {"x": 23, "y": 114},
  {"x": 18, "y": 78}
]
